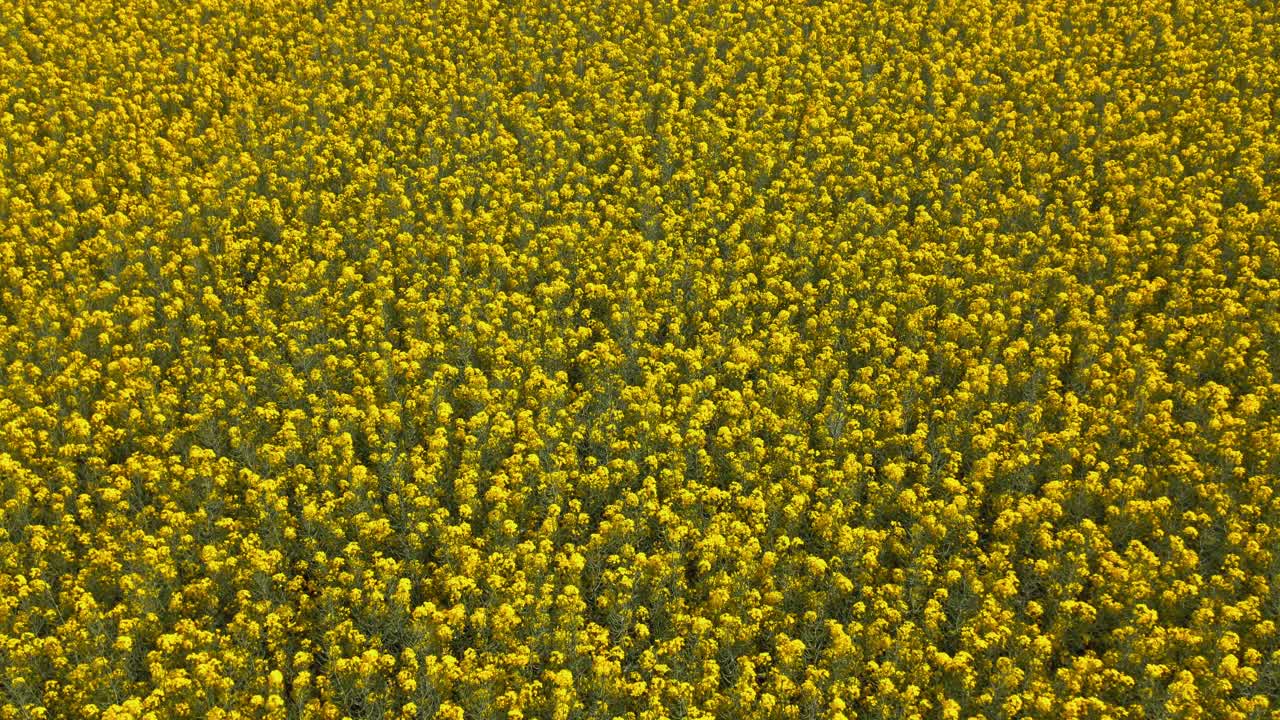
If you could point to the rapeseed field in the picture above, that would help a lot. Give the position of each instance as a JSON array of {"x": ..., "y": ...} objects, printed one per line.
[{"x": 640, "y": 360}]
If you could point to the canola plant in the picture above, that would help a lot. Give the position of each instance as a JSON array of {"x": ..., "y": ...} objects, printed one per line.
[{"x": 636, "y": 359}]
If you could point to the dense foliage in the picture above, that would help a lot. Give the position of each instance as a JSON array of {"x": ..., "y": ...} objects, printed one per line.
[{"x": 882, "y": 359}]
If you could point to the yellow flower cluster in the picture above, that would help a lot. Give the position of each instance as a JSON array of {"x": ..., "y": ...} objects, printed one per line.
[{"x": 732, "y": 359}]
